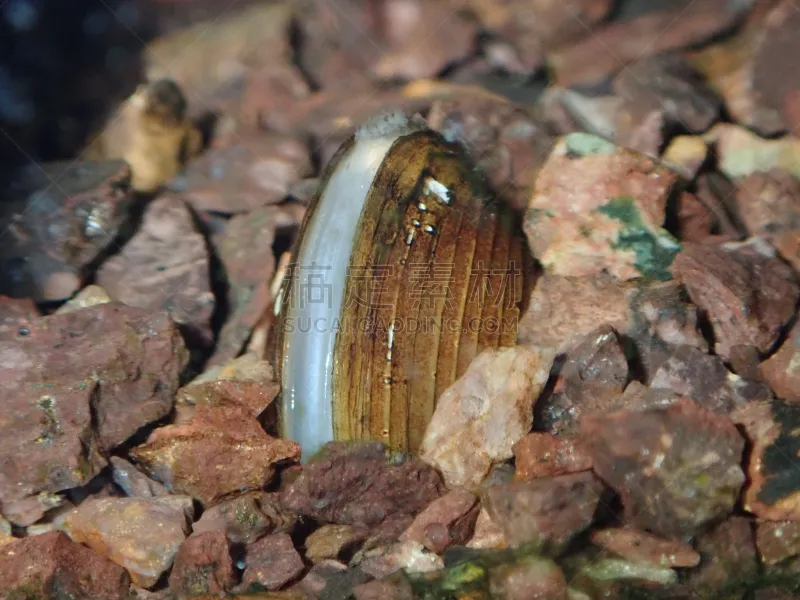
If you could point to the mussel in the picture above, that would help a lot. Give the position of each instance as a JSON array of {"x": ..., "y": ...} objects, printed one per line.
[{"x": 404, "y": 268}]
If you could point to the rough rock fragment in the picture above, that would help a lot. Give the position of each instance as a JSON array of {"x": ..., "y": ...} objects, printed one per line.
[
  {"x": 203, "y": 565},
  {"x": 741, "y": 152},
  {"x": 51, "y": 566},
  {"x": 422, "y": 39},
  {"x": 140, "y": 534},
  {"x": 245, "y": 250},
  {"x": 246, "y": 518},
  {"x": 362, "y": 484},
  {"x": 111, "y": 365},
  {"x": 331, "y": 541},
  {"x": 619, "y": 570},
  {"x": 777, "y": 541},
  {"x": 533, "y": 27},
  {"x": 695, "y": 221},
  {"x": 748, "y": 297},
  {"x": 530, "y": 577},
  {"x": 686, "y": 154},
  {"x": 599, "y": 208},
  {"x": 504, "y": 139},
  {"x": 667, "y": 84},
  {"x": 91, "y": 295},
  {"x": 55, "y": 231},
  {"x": 132, "y": 481},
  {"x": 445, "y": 521},
  {"x": 546, "y": 512},
  {"x": 165, "y": 267},
  {"x": 636, "y": 545},
  {"x": 675, "y": 468},
  {"x": 547, "y": 455},
  {"x": 782, "y": 370},
  {"x": 15, "y": 314},
  {"x": 619, "y": 43},
  {"x": 384, "y": 589},
  {"x": 257, "y": 169},
  {"x": 247, "y": 380},
  {"x": 703, "y": 377},
  {"x": 773, "y": 428},
  {"x": 489, "y": 534},
  {"x": 271, "y": 563},
  {"x": 225, "y": 440},
  {"x": 411, "y": 556},
  {"x": 728, "y": 554},
  {"x": 481, "y": 416},
  {"x": 769, "y": 206}
]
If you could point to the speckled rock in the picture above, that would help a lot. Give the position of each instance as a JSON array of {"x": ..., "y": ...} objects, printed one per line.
[
  {"x": 226, "y": 440},
  {"x": 78, "y": 383},
  {"x": 777, "y": 541},
  {"x": 653, "y": 457},
  {"x": 140, "y": 534},
  {"x": 637, "y": 545},
  {"x": 362, "y": 484},
  {"x": 246, "y": 517},
  {"x": 51, "y": 566},
  {"x": 597, "y": 207},
  {"x": 203, "y": 565},
  {"x": 165, "y": 266},
  {"x": 782, "y": 370},
  {"x": 271, "y": 563},
  {"x": 773, "y": 428},
  {"x": 481, "y": 416},
  {"x": 547, "y": 512},
  {"x": 547, "y": 455},
  {"x": 728, "y": 556},
  {"x": 445, "y": 521},
  {"x": 748, "y": 297},
  {"x": 531, "y": 577}
]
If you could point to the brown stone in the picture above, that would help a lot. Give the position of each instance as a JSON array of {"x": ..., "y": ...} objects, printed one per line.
[
  {"x": 165, "y": 267},
  {"x": 140, "y": 534},
  {"x": 728, "y": 552},
  {"x": 110, "y": 365},
  {"x": 246, "y": 517},
  {"x": 773, "y": 429},
  {"x": 132, "y": 481},
  {"x": 695, "y": 220},
  {"x": 636, "y": 545},
  {"x": 271, "y": 562},
  {"x": 51, "y": 566},
  {"x": 667, "y": 84},
  {"x": 489, "y": 534},
  {"x": 748, "y": 297},
  {"x": 547, "y": 512},
  {"x": 529, "y": 578},
  {"x": 226, "y": 441},
  {"x": 246, "y": 380},
  {"x": 384, "y": 589},
  {"x": 619, "y": 43},
  {"x": 331, "y": 541},
  {"x": 55, "y": 231},
  {"x": 257, "y": 169},
  {"x": 445, "y": 521},
  {"x": 704, "y": 378},
  {"x": 362, "y": 484},
  {"x": 203, "y": 565},
  {"x": 675, "y": 468},
  {"x": 481, "y": 416},
  {"x": 597, "y": 207},
  {"x": 777, "y": 540},
  {"x": 547, "y": 455},
  {"x": 245, "y": 249}
]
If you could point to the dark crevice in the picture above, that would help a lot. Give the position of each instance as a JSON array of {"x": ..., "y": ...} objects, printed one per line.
[{"x": 296, "y": 42}]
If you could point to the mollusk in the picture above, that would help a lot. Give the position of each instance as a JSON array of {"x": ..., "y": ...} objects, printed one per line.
[{"x": 403, "y": 270}]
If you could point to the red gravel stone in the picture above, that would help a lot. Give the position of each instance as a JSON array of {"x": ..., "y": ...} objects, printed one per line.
[
  {"x": 203, "y": 565},
  {"x": 271, "y": 562}
]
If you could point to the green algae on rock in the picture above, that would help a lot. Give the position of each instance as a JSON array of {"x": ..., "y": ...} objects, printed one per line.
[{"x": 598, "y": 207}]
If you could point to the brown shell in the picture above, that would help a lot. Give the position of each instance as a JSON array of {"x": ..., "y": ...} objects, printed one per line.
[{"x": 431, "y": 284}]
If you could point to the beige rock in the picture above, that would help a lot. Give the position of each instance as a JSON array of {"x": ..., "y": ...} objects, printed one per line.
[
  {"x": 408, "y": 555},
  {"x": 140, "y": 534},
  {"x": 742, "y": 152},
  {"x": 447, "y": 520},
  {"x": 482, "y": 415},
  {"x": 488, "y": 533},
  {"x": 88, "y": 296},
  {"x": 330, "y": 541}
]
